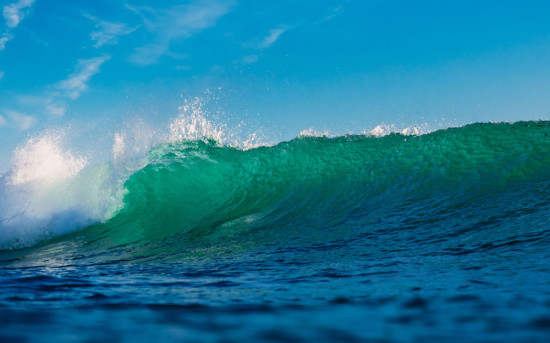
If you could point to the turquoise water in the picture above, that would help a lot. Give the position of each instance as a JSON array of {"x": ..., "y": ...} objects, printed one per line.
[{"x": 436, "y": 237}]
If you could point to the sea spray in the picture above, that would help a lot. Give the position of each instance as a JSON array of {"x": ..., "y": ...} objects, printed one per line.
[
  {"x": 43, "y": 160},
  {"x": 50, "y": 191}
]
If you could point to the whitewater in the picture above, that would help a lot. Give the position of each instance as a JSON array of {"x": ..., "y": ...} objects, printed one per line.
[{"x": 195, "y": 233}]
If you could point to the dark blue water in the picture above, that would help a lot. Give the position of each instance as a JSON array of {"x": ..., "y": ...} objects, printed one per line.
[{"x": 439, "y": 237}]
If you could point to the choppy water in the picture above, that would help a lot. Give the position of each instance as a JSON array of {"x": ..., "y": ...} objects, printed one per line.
[{"x": 436, "y": 237}]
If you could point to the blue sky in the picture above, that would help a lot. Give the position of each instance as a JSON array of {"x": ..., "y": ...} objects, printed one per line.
[{"x": 281, "y": 66}]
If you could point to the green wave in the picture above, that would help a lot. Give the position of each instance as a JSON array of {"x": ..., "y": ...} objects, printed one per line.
[{"x": 313, "y": 189}]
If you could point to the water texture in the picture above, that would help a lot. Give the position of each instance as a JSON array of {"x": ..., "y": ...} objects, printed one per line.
[{"x": 435, "y": 237}]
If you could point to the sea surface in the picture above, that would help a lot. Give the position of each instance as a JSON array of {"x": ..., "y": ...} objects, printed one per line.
[{"x": 437, "y": 237}]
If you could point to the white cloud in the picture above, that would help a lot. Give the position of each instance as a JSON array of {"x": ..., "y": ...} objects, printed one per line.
[
  {"x": 4, "y": 39},
  {"x": 108, "y": 32},
  {"x": 54, "y": 102},
  {"x": 23, "y": 122},
  {"x": 272, "y": 37},
  {"x": 75, "y": 84},
  {"x": 51, "y": 103},
  {"x": 148, "y": 54},
  {"x": 175, "y": 23},
  {"x": 249, "y": 59},
  {"x": 19, "y": 120},
  {"x": 55, "y": 108},
  {"x": 15, "y": 12},
  {"x": 334, "y": 13}
]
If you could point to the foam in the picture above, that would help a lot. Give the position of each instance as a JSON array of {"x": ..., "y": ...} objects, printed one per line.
[
  {"x": 313, "y": 133},
  {"x": 43, "y": 160},
  {"x": 50, "y": 191},
  {"x": 382, "y": 130}
]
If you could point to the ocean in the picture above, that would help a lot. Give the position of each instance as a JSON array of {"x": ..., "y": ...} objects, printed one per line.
[{"x": 435, "y": 237}]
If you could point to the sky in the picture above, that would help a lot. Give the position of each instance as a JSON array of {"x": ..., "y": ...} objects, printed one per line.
[{"x": 280, "y": 67}]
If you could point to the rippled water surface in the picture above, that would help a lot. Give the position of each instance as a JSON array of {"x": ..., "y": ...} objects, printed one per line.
[{"x": 438, "y": 237}]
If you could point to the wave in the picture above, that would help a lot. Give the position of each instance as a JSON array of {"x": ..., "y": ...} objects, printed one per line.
[{"x": 194, "y": 191}]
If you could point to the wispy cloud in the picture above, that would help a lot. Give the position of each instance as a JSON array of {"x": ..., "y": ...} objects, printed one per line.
[
  {"x": 19, "y": 120},
  {"x": 13, "y": 14},
  {"x": 249, "y": 59},
  {"x": 272, "y": 37},
  {"x": 75, "y": 84},
  {"x": 55, "y": 107},
  {"x": 1, "y": 75},
  {"x": 338, "y": 10},
  {"x": 4, "y": 38},
  {"x": 54, "y": 102},
  {"x": 108, "y": 32},
  {"x": 175, "y": 23},
  {"x": 335, "y": 12},
  {"x": 51, "y": 103},
  {"x": 22, "y": 121}
]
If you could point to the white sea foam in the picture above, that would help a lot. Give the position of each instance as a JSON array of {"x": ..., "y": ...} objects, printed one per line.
[
  {"x": 43, "y": 160},
  {"x": 380, "y": 130},
  {"x": 50, "y": 191},
  {"x": 384, "y": 130},
  {"x": 313, "y": 133}
]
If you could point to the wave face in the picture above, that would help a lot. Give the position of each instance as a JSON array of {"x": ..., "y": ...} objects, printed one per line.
[
  {"x": 450, "y": 183},
  {"x": 479, "y": 183}
]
